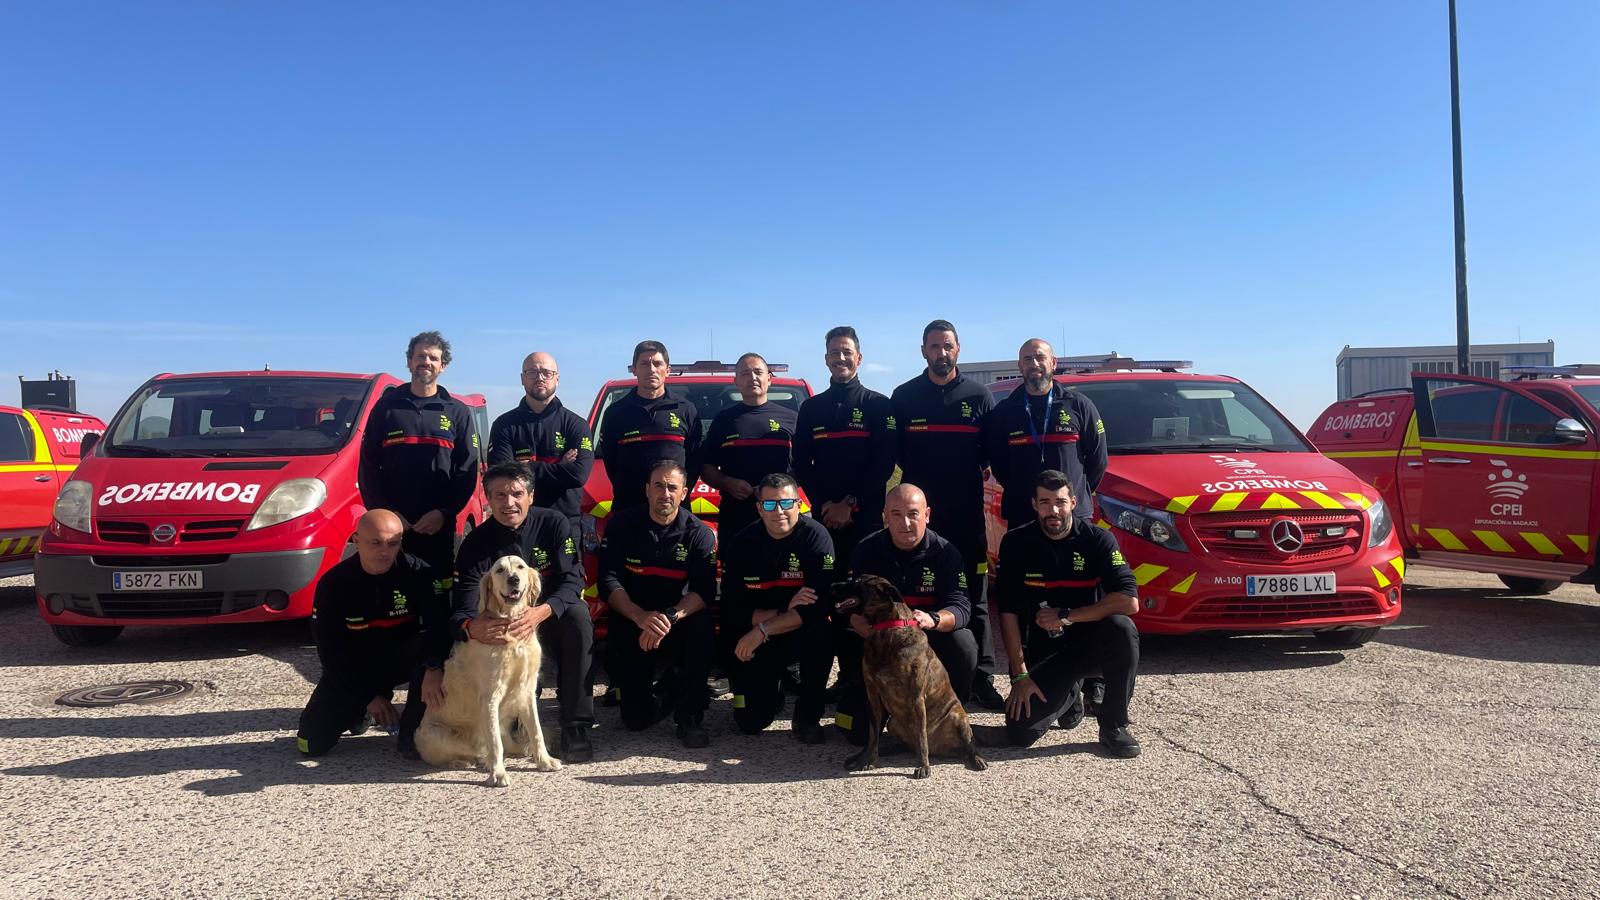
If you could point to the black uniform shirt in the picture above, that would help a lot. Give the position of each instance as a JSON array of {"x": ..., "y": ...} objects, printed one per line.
[
  {"x": 759, "y": 572},
  {"x": 540, "y": 440},
  {"x": 749, "y": 443},
  {"x": 419, "y": 454},
  {"x": 845, "y": 445},
  {"x": 636, "y": 433},
  {"x": 1078, "y": 570},
  {"x": 929, "y": 576},
  {"x": 362, "y": 618},
  {"x": 544, "y": 541},
  {"x": 658, "y": 564},
  {"x": 941, "y": 451},
  {"x": 1026, "y": 435}
]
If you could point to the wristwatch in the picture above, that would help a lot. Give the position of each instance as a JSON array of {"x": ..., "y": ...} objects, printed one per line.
[{"x": 672, "y": 615}]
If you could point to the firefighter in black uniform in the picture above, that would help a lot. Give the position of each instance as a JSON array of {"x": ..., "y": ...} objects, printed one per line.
[
  {"x": 1068, "y": 581},
  {"x": 419, "y": 455},
  {"x": 543, "y": 539},
  {"x": 776, "y": 576},
  {"x": 370, "y": 614},
  {"x": 658, "y": 572},
  {"x": 646, "y": 426},
  {"x": 940, "y": 415},
  {"x": 551, "y": 440},
  {"x": 844, "y": 448},
  {"x": 746, "y": 443},
  {"x": 931, "y": 579}
]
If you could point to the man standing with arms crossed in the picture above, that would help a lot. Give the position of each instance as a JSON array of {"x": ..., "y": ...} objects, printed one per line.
[
  {"x": 419, "y": 456},
  {"x": 940, "y": 415},
  {"x": 551, "y": 440},
  {"x": 646, "y": 426}
]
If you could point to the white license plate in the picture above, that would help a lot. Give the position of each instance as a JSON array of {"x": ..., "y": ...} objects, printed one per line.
[
  {"x": 1289, "y": 585},
  {"x": 158, "y": 580}
]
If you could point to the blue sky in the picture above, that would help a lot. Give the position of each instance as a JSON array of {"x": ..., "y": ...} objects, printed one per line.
[{"x": 189, "y": 187}]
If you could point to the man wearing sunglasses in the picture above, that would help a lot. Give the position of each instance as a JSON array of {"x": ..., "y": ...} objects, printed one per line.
[
  {"x": 775, "y": 579},
  {"x": 551, "y": 440}
]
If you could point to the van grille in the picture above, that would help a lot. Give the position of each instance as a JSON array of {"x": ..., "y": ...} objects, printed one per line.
[
  {"x": 113, "y": 531},
  {"x": 174, "y": 604},
  {"x": 1276, "y": 610},
  {"x": 1217, "y": 535}
]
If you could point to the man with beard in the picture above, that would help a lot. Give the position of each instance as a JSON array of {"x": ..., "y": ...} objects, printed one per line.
[
  {"x": 746, "y": 443},
  {"x": 1068, "y": 580},
  {"x": 419, "y": 455},
  {"x": 844, "y": 448},
  {"x": 646, "y": 426},
  {"x": 546, "y": 542},
  {"x": 551, "y": 440},
  {"x": 940, "y": 415}
]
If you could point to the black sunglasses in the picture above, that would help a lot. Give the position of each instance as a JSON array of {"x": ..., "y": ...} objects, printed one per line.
[{"x": 786, "y": 503}]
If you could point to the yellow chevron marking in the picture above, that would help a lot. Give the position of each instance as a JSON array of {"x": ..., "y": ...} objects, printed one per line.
[
  {"x": 1399, "y": 563},
  {"x": 601, "y": 509},
  {"x": 1580, "y": 540},
  {"x": 1493, "y": 541},
  {"x": 1279, "y": 501},
  {"x": 700, "y": 506},
  {"x": 1103, "y": 524},
  {"x": 1361, "y": 500},
  {"x": 1183, "y": 586},
  {"x": 5, "y": 545},
  {"x": 1415, "y": 528},
  {"x": 1180, "y": 505},
  {"x": 1146, "y": 572},
  {"x": 1382, "y": 581},
  {"x": 1446, "y": 539},
  {"x": 1228, "y": 502},
  {"x": 1541, "y": 543},
  {"x": 1322, "y": 500},
  {"x": 592, "y": 590}
]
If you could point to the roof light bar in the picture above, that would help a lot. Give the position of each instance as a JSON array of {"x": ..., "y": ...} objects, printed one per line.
[
  {"x": 1524, "y": 373},
  {"x": 1126, "y": 364},
  {"x": 717, "y": 367}
]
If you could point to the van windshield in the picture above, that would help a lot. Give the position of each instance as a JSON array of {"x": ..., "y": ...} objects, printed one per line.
[
  {"x": 1591, "y": 393},
  {"x": 708, "y": 400},
  {"x": 1174, "y": 416},
  {"x": 238, "y": 416}
]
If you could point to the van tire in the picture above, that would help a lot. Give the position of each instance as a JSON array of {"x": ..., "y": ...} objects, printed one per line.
[
  {"x": 1346, "y": 637},
  {"x": 1519, "y": 585},
  {"x": 86, "y": 635}
]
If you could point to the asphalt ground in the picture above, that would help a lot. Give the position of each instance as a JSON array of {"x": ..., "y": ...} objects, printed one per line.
[{"x": 1454, "y": 756}]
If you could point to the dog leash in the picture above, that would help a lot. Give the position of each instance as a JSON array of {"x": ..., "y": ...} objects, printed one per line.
[{"x": 895, "y": 623}]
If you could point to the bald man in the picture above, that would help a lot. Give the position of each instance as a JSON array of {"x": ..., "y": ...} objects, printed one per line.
[
  {"x": 551, "y": 440},
  {"x": 931, "y": 578},
  {"x": 370, "y": 614}
]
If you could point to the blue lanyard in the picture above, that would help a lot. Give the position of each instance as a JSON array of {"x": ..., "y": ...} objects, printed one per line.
[{"x": 1027, "y": 404}]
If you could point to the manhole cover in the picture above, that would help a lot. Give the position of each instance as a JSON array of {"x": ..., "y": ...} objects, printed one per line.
[{"x": 131, "y": 692}]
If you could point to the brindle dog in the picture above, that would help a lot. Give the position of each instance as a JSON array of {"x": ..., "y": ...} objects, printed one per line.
[{"x": 906, "y": 682}]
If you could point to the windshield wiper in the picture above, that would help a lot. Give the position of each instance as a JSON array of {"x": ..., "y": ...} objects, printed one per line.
[{"x": 149, "y": 450}]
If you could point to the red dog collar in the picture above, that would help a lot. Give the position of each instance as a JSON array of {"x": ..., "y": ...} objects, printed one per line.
[{"x": 896, "y": 623}]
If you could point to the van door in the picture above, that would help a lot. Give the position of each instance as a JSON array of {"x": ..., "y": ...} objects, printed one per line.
[
  {"x": 1499, "y": 478},
  {"x": 27, "y": 487}
]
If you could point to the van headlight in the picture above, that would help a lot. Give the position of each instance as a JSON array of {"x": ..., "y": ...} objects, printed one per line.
[
  {"x": 289, "y": 500},
  {"x": 74, "y": 506},
  {"x": 1379, "y": 524},
  {"x": 1154, "y": 525}
]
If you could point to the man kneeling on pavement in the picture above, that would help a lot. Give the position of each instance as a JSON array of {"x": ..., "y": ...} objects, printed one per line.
[
  {"x": 371, "y": 611},
  {"x": 1066, "y": 578},
  {"x": 543, "y": 539},
  {"x": 931, "y": 578},
  {"x": 658, "y": 573}
]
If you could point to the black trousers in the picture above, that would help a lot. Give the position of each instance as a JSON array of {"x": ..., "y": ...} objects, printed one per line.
[
  {"x": 1109, "y": 646},
  {"x": 437, "y": 550},
  {"x": 338, "y": 704},
  {"x": 687, "y": 648},
  {"x": 568, "y": 639},
  {"x": 758, "y": 684},
  {"x": 978, "y": 593},
  {"x": 957, "y": 652}
]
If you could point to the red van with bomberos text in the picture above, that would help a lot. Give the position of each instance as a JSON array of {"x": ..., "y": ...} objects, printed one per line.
[{"x": 212, "y": 498}]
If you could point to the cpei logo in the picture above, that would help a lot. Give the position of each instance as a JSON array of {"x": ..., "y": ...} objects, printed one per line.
[{"x": 1506, "y": 484}]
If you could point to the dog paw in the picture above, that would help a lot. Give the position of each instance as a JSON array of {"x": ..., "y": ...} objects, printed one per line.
[
  {"x": 858, "y": 762},
  {"x": 921, "y": 772},
  {"x": 976, "y": 763},
  {"x": 498, "y": 779},
  {"x": 547, "y": 764}
]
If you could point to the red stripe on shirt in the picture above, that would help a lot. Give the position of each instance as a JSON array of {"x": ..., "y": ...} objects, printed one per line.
[
  {"x": 756, "y": 442},
  {"x": 945, "y": 429},
  {"x": 919, "y": 599},
  {"x": 1062, "y": 583},
  {"x": 658, "y": 571},
  {"x": 841, "y": 434},
  {"x": 778, "y": 583},
  {"x": 383, "y": 623},
  {"x": 638, "y": 438},
  {"x": 529, "y": 457},
  {"x": 1047, "y": 439},
  {"x": 408, "y": 439}
]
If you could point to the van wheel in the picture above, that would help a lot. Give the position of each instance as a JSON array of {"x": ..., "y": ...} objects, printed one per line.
[
  {"x": 1519, "y": 585},
  {"x": 1346, "y": 637},
  {"x": 86, "y": 635}
]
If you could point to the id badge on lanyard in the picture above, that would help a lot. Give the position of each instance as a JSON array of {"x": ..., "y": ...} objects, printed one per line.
[{"x": 1038, "y": 440}]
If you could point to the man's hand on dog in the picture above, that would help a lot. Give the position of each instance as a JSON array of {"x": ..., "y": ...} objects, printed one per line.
[
  {"x": 433, "y": 687},
  {"x": 924, "y": 621},
  {"x": 1019, "y": 704},
  {"x": 497, "y": 630},
  {"x": 383, "y": 712}
]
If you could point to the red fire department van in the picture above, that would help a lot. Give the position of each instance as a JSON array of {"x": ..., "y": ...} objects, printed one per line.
[
  {"x": 38, "y": 451},
  {"x": 709, "y": 385},
  {"x": 213, "y": 498},
  {"x": 1230, "y": 518},
  {"x": 1484, "y": 475}
]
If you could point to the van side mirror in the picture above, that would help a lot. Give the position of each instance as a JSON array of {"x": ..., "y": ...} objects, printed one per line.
[
  {"x": 1569, "y": 431},
  {"x": 92, "y": 439}
]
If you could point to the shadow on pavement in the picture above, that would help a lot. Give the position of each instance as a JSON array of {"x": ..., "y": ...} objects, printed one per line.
[
  {"x": 1217, "y": 652},
  {"x": 83, "y": 723},
  {"x": 1493, "y": 624}
]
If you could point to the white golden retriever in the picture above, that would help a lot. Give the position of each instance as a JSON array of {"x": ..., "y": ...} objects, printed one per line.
[{"x": 491, "y": 690}]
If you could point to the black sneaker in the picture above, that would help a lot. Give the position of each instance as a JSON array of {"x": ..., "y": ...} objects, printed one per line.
[
  {"x": 809, "y": 733},
  {"x": 1074, "y": 714},
  {"x": 361, "y": 725},
  {"x": 718, "y": 686},
  {"x": 576, "y": 747},
  {"x": 1094, "y": 694},
  {"x": 693, "y": 736},
  {"x": 1118, "y": 742},
  {"x": 983, "y": 691}
]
